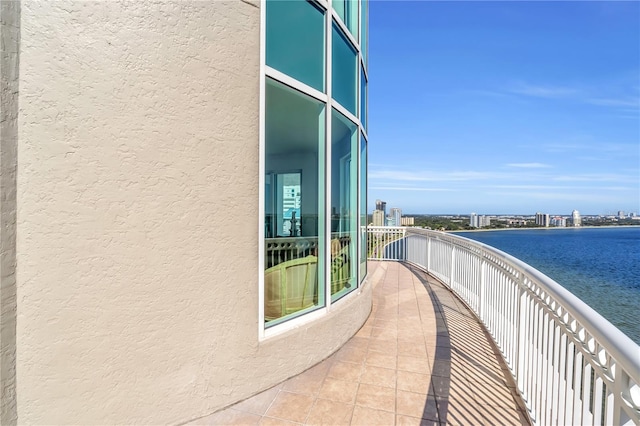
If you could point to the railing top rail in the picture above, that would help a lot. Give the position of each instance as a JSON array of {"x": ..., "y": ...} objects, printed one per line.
[
  {"x": 386, "y": 228},
  {"x": 615, "y": 342}
]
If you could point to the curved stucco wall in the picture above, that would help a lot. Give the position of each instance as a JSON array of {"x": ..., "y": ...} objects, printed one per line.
[{"x": 137, "y": 193}]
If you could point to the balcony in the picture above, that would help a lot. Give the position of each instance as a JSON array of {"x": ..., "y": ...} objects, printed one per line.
[
  {"x": 460, "y": 333},
  {"x": 421, "y": 358}
]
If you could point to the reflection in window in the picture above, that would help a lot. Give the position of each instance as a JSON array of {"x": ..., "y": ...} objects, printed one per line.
[
  {"x": 294, "y": 194},
  {"x": 343, "y": 71},
  {"x": 348, "y": 11},
  {"x": 363, "y": 208},
  {"x": 295, "y": 40},
  {"x": 285, "y": 193},
  {"x": 344, "y": 205}
]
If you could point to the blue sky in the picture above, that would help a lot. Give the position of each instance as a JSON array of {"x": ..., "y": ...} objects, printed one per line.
[{"x": 504, "y": 107}]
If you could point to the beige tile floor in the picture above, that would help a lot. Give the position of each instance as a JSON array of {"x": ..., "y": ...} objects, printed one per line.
[{"x": 420, "y": 359}]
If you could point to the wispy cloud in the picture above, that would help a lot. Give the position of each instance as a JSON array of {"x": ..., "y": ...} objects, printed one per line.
[
  {"x": 595, "y": 177},
  {"x": 561, "y": 147},
  {"x": 542, "y": 91},
  {"x": 406, "y": 188},
  {"x": 594, "y": 146},
  {"x": 619, "y": 102},
  {"x": 524, "y": 175},
  {"x": 528, "y": 187},
  {"x": 433, "y": 176},
  {"x": 529, "y": 165},
  {"x": 556, "y": 188},
  {"x": 613, "y": 95},
  {"x": 564, "y": 196}
]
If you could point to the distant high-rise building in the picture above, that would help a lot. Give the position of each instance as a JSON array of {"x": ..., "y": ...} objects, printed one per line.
[
  {"x": 381, "y": 205},
  {"x": 621, "y": 214},
  {"x": 396, "y": 214},
  {"x": 473, "y": 220},
  {"x": 576, "y": 220},
  {"x": 542, "y": 219},
  {"x": 558, "y": 221},
  {"x": 407, "y": 221},
  {"x": 378, "y": 218},
  {"x": 476, "y": 221}
]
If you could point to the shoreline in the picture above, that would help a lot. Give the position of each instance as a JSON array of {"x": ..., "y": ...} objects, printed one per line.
[{"x": 545, "y": 228}]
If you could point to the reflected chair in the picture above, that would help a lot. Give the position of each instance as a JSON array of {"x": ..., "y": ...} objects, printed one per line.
[
  {"x": 340, "y": 266},
  {"x": 290, "y": 287}
]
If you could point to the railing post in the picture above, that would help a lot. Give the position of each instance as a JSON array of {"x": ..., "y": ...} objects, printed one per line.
[
  {"x": 428, "y": 254},
  {"x": 453, "y": 261},
  {"x": 618, "y": 385},
  {"x": 483, "y": 266},
  {"x": 519, "y": 335}
]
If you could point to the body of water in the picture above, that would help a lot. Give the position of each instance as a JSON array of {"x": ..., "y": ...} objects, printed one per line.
[{"x": 599, "y": 265}]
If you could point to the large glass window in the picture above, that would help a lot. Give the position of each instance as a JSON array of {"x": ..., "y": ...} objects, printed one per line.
[
  {"x": 294, "y": 202},
  {"x": 348, "y": 11},
  {"x": 343, "y": 71},
  {"x": 363, "y": 99},
  {"x": 295, "y": 40},
  {"x": 344, "y": 205},
  {"x": 310, "y": 259},
  {"x": 363, "y": 207}
]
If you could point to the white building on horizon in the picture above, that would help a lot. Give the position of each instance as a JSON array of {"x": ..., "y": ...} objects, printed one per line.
[
  {"x": 407, "y": 221},
  {"x": 473, "y": 220},
  {"x": 378, "y": 218},
  {"x": 476, "y": 221},
  {"x": 559, "y": 221},
  {"x": 396, "y": 214},
  {"x": 542, "y": 219},
  {"x": 576, "y": 219}
]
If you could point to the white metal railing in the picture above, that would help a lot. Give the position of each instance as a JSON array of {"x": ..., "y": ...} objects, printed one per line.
[
  {"x": 384, "y": 242},
  {"x": 570, "y": 364}
]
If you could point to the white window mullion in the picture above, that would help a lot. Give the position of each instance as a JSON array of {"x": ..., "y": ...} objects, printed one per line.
[
  {"x": 326, "y": 4},
  {"x": 358, "y": 14},
  {"x": 359, "y": 91},
  {"x": 364, "y": 67},
  {"x": 344, "y": 111},
  {"x": 358, "y": 212},
  {"x": 327, "y": 176},
  {"x": 292, "y": 82},
  {"x": 261, "y": 174},
  {"x": 344, "y": 29},
  {"x": 359, "y": 159}
]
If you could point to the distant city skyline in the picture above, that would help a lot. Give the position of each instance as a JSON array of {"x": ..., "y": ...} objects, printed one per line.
[
  {"x": 505, "y": 107},
  {"x": 531, "y": 214}
]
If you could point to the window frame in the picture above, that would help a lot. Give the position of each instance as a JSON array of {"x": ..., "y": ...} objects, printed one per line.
[{"x": 331, "y": 17}]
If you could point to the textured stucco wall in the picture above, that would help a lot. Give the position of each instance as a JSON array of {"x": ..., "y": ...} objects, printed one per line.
[
  {"x": 137, "y": 188},
  {"x": 9, "y": 88}
]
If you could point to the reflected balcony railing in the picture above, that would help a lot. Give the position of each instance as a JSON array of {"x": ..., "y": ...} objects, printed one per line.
[
  {"x": 570, "y": 364},
  {"x": 291, "y": 273},
  {"x": 282, "y": 249}
]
